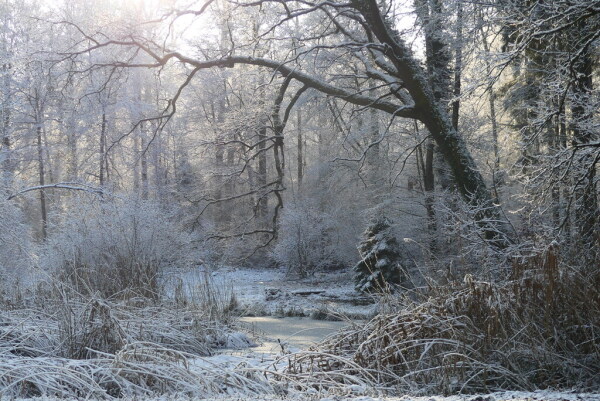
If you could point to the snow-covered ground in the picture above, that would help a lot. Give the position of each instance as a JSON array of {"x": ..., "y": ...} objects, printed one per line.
[
  {"x": 502, "y": 396},
  {"x": 269, "y": 292}
]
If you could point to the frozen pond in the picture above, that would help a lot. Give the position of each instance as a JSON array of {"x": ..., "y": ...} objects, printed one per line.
[{"x": 293, "y": 332}]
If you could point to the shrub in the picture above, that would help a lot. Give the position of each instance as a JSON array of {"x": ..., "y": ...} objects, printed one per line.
[
  {"x": 310, "y": 240},
  {"x": 15, "y": 248},
  {"x": 539, "y": 330},
  {"x": 115, "y": 248}
]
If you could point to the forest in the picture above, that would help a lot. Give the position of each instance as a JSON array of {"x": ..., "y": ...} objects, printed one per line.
[{"x": 172, "y": 169}]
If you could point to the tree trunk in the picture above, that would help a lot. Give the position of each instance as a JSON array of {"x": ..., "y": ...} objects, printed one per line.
[
  {"x": 5, "y": 156},
  {"x": 374, "y": 154},
  {"x": 6, "y": 153},
  {"x": 72, "y": 170},
  {"x": 263, "y": 201},
  {"x": 555, "y": 147},
  {"x": 428, "y": 186},
  {"x": 48, "y": 167},
  {"x": 493, "y": 119},
  {"x": 565, "y": 191},
  {"x": 42, "y": 179},
  {"x": 102, "y": 151},
  {"x": 458, "y": 61},
  {"x": 300, "y": 158},
  {"x": 136, "y": 164},
  {"x": 144, "y": 162}
]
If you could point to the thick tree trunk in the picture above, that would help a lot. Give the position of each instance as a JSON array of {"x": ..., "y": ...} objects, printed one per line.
[
  {"x": 428, "y": 186},
  {"x": 458, "y": 64},
  {"x": 438, "y": 75}
]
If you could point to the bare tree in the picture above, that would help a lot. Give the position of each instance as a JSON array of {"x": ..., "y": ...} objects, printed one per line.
[{"x": 404, "y": 90}]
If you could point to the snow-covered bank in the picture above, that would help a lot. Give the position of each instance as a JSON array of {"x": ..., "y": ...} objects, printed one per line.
[{"x": 270, "y": 292}]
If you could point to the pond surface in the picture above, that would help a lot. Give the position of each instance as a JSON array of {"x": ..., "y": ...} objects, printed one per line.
[{"x": 293, "y": 332}]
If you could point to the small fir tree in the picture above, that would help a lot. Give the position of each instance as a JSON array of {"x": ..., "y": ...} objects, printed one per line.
[{"x": 380, "y": 268}]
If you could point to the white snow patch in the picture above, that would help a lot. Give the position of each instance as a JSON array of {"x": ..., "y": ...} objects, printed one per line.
[
  {"x": 252, "y": 287},
  {"x": 238, "y": 340}
]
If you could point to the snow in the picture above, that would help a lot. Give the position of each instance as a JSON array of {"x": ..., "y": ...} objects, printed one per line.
[
  {"x": 269, "y": 292},
  {"x": 238, "y": 340},
  {"x": 544, "y": 395},
  {"x": 293, "y": 333},
  {"x": 382, "y": 246},
  {"x": 227, "y": 361},
  {"x": 381, "y": 263}
]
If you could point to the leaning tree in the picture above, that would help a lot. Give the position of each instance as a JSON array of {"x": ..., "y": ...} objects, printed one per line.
[{"x": 333, "y": 35}]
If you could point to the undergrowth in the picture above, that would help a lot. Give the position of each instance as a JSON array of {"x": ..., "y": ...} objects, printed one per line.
[
  {"x": 102, "y": 349},
  {"x": 540, "y": 329}
]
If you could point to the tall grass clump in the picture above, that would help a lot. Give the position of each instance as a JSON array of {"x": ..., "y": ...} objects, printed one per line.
[
  {"x": 16, "y": 257},
  {"x": 115, "y": 248},
  {"x": 102, "y": 349},
  {"x": 197, "y": 288}
]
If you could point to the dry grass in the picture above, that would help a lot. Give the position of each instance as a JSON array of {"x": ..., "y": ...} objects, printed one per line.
[
  {"x": 139, "y": 369},
  {"x": 100, "y": 349},
  {"x": 216, "y": 299},
  {"x": 539, "y": 330},
  {"x": 101, "y": 326}
]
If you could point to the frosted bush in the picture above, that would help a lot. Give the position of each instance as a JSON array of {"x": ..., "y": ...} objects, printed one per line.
[
  {"x": 115, "y": 247},
  {"x": 311, "y": 240},
  {"x": 15, "y": 248}
]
